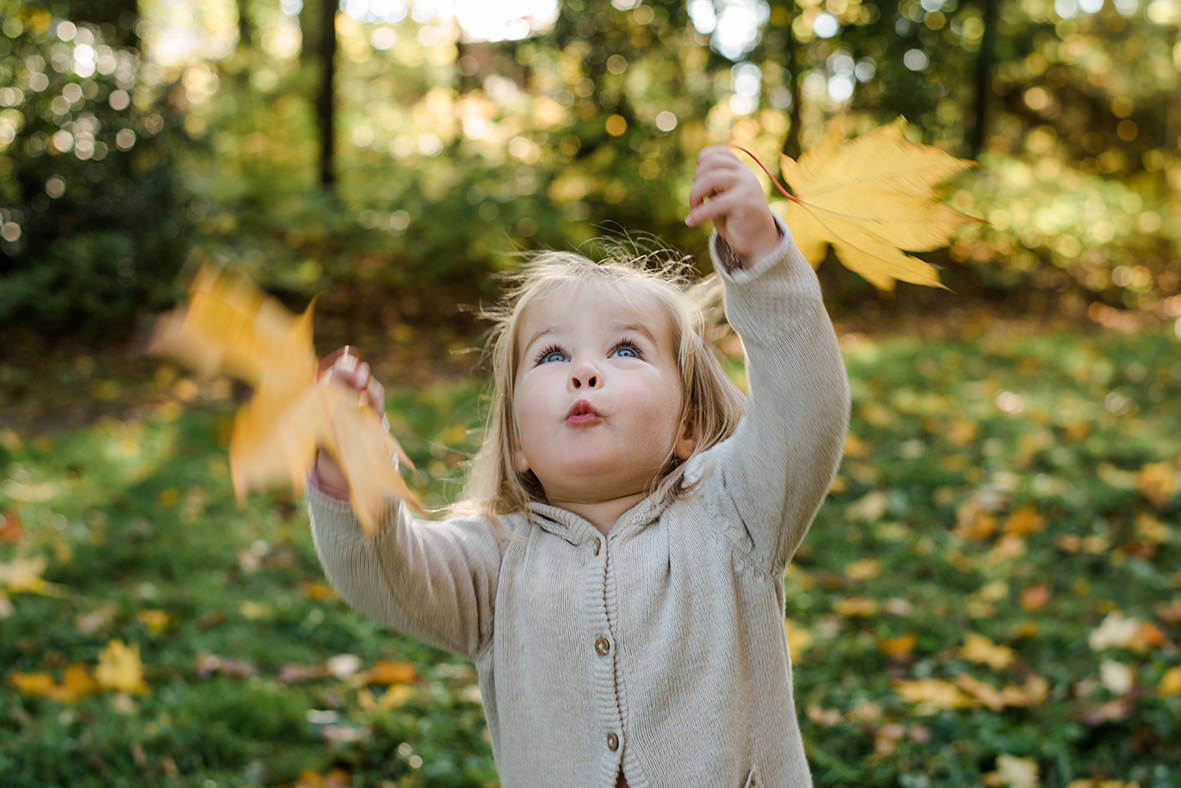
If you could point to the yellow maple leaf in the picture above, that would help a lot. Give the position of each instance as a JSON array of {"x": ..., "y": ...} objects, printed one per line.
[
  {"x": 23, "y": 575},
  {"x": 872, "y": 199},
  {"x": 76, "y": 684},
  {"x": 229, "y": 327},
  {"x": 37, "y": 685},
  {"x": 119, "y": 668},
  {"x": 932, "y": 695},
  {"x": 1170, "y": 683},
  {"x": 983, "y": 651}
]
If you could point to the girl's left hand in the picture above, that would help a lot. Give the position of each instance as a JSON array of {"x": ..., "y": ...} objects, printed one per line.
[{"x": 730, "y": 195}]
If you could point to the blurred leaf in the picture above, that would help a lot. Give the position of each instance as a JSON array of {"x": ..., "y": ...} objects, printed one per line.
[
  {"x": 1013, "y": 772},
  {"x": 119, "y": 668},
  {"x": 1170, "y": 683},
  {"x": 228, "y": 326}
]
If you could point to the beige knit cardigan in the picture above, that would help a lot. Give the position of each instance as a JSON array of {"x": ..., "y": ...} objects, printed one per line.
[{"x": 658, "y": 649}]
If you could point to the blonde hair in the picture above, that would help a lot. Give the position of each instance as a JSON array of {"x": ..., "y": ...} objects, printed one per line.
[{"x": 710, "y": 401}]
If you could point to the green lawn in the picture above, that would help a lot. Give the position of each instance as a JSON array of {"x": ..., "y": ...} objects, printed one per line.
[{"x": 991, "y": 596}]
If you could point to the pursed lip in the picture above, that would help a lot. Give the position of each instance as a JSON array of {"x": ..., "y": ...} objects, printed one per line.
[{"x": 582, "y": 413}]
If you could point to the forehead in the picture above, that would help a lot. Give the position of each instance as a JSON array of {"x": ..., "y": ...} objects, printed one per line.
[{"x": 610, "y": 306}]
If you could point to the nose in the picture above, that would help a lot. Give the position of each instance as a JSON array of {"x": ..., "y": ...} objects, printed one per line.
[{"x": 585, "y": 376}]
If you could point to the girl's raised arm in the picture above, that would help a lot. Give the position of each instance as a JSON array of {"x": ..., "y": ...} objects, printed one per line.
[{"x": 777, "y": 467}]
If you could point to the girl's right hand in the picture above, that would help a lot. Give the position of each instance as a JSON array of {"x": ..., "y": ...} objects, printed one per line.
[{"x": 345, "y": 368}]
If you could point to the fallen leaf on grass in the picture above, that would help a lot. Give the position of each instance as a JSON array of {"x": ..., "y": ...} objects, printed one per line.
[
  {"x": 1013, "y": 772},
  {"x": 899, "y": 648},
  {"x": 1170, "y": 683},
  {"x": 119, "y": 668},
  {"x": 23, "y": 575},
  {"x": 11, "y": 530},
  {"x": 293, "y": 673},
  {"x": 983, "y": 651},
  {"x": 156, "y": 621},
  {"x": 229, "y": 327},
  {"x": 336, "y": 778},
  {"x": 799, "y": 639},
  {"x": 931, "y": 696},
  {"x": 75, "y": 685},
  {"x": 208, "y": 664},
  {"x": 1158, "y": 483},
  {"x": 388, "y": 672}
]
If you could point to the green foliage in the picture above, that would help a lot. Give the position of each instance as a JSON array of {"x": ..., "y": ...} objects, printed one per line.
[
  {"x": 136, "y": 514},
  {"x": 94, "y": 226}
]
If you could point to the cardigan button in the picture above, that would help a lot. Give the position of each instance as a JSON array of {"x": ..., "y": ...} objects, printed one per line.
[
  {"x": 602, "y": 646},
  {"x": 598, "y": 544},
  {"x": 612, "y": 742}
]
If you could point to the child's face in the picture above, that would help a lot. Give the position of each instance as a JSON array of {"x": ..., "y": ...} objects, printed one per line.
[{"x": 598, "y": 394}]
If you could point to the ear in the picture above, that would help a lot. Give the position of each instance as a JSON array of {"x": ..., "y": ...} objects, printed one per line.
[
  {"x": 687, "y": 442},
  {"x": 520, "y": 461}
]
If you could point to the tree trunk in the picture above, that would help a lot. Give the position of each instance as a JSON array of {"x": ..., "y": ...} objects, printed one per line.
[
  {"x": 309, "y": 16},
  {"x": 245, "y": 32},
  {"x": 985, "y": 58},
  {"x": 325, "y": 101},
  {"x": 792, "y": 145}
]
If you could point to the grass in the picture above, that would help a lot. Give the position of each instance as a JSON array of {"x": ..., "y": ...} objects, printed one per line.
[{"x": 992, "y": 595}]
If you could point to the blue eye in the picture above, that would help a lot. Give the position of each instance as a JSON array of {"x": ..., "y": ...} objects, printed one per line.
[
  {"x": 551, "y": 354},
  {"x": 626, "y": 350}
]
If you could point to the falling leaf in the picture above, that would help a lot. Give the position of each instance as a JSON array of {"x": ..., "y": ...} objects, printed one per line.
[
  {"x": 872, "y": 199},
  {"x": 229, "y": 327},
  {"x": 1013, "y": 772},
  {"x": 119, "y": 668}
]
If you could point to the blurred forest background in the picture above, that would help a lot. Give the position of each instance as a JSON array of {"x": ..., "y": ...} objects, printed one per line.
[
  {"x": 990, "y": 596},
  {"x": 388, "y": 155}
]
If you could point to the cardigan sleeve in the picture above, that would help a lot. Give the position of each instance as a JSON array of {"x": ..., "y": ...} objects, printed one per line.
[
  {"x": 433, "y": 580},
  {"x": 777, "y": 467}
]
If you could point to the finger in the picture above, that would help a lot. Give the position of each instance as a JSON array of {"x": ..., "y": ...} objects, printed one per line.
[
  {"x": 716, "y": 153},
  {"x": 710, "y": 185},
  {"x": 376, "y": 393},
  {"x": 363, "y": 376},
  {"x": 716, "y": 209},
  {"x": 328, "y": 361}
]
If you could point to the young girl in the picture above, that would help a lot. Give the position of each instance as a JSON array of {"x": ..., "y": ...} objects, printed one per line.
[{"x": 617, "y": 574}]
